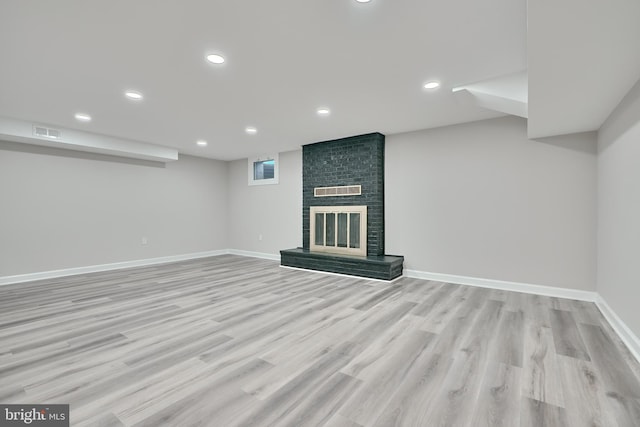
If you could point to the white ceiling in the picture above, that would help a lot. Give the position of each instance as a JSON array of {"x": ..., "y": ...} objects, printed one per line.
[
  {"x": 583, "y": 56},
  {"x": 284, "y": 59}
]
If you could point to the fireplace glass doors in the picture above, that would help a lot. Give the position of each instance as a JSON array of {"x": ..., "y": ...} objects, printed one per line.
[{"x": 339, "y": 229}]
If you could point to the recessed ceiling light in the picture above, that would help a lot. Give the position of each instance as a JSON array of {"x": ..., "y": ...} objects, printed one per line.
[
  {"x": 251, "y": 130},
  {"x": 202, "y": 143},
  {"x": 132, "y": 94},
  {"x": 363, "y": 1},
  {"x": 83, "y": 117},
  {"x": 215, "y": 58},
  {"x": 323, "y": 111},
  {"x": 431, "y": 85}
]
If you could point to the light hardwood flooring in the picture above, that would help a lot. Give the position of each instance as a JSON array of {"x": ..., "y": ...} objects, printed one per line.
[{"x": 235, "y": 341}]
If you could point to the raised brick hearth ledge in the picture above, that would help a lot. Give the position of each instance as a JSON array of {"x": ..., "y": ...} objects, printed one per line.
[{"x": 384, "y": 267}]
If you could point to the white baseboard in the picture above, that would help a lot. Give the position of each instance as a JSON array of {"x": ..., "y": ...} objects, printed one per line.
[
  {"x": 548, "y": 291},
  {"x": 20, "y": 278},
  {"x": 626, "y": 335},
  {"x": 254, "y": 254}
]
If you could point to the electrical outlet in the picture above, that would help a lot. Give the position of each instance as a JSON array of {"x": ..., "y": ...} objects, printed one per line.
[
  {"x": 144, "y": 241},
  {"x": 259, "y": 236}
]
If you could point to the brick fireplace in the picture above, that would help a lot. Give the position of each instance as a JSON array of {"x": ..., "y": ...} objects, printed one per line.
[{"x": 347, "y": 173}]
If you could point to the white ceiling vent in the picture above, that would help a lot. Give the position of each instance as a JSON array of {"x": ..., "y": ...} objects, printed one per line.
[
  {"x": 44, "y": 132},
  {"x": 63, "y": 138}
]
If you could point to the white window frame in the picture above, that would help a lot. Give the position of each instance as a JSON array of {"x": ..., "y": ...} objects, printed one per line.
[{"x": 276, "y": 169}]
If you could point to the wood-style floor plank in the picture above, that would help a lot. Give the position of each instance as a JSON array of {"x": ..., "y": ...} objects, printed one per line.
[
  {"x": 613, "y": 369},
  {"x": 498, "y": 402},
  {"x": 541, "y": 373},
  {"x": 566, "y": 335},
  {"x": 537, "y": 414},
  {"x": 579, "y": 379},
  {"x": 235, "y": 341}
]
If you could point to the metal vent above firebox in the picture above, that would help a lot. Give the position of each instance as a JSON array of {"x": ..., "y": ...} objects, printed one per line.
[{"x": 343, "y": 190}]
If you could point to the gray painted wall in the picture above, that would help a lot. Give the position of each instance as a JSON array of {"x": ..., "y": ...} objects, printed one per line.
[
  {"x": 619, "y": 209},
  {"x": 271, "y": 211},
  {"x": 477, "y": 200},
  {"x": 63, "y": 209},
  {"x": 484, "y": 201}
]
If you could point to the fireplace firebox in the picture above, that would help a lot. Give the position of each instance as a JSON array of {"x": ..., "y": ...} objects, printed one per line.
[{"x": 339, "y": 229}]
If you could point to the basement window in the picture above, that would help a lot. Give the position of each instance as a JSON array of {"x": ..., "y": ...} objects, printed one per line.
[{"x": 263, "y": 170}]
